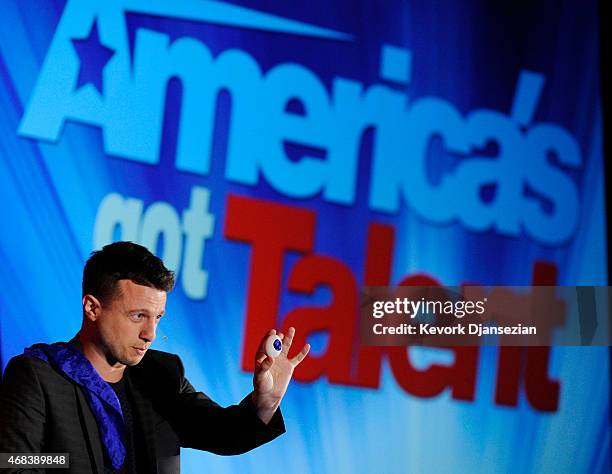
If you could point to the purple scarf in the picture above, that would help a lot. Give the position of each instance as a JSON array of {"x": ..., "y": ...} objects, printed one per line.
[{"x": 101, "y": 397}]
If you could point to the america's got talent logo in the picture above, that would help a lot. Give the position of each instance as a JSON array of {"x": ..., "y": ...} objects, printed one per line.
[{"x": 96, "y": 74}]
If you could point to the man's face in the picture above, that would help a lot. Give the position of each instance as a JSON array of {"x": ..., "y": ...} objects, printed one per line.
[{"x": 127, "y": 324}]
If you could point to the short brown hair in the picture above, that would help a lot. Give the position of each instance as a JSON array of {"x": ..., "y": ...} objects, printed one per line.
[{"x": 124, "y": 261}]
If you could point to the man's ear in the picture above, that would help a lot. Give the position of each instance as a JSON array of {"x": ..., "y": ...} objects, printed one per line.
[{"x": 91, "y": 307}]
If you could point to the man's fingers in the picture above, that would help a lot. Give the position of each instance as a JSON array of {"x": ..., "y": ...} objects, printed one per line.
[
  {"x": 260, "y": 355},
  {"x": 265, "y": 365},
  {"x": 300, "y": 357},
  {"x": 288, "y": 340},
  {"x": 262, "y": 345}
]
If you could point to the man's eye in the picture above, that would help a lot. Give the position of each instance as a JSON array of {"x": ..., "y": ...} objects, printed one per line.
[
  {"x": 159, "y": 316},
  {"x": 137, "y": 316}
]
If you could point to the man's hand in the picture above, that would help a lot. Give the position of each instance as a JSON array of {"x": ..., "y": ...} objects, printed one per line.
[{"x": 272, "y": 376}]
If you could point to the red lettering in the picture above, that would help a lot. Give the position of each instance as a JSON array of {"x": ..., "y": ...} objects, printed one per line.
[
  {"x": 460, "y": 377},
  {"x": 378, "y": 260},
  {"x": 271, "y": 229},
  {"x": 542, "y": 392},
  {"x": 529, "y": 363},
  {"x": 338, "y": 319}
]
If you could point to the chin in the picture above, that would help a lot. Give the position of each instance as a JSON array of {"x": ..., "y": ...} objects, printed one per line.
[
  {"x": 132, "y": 362},
  {"x": 129, "y": 360}
]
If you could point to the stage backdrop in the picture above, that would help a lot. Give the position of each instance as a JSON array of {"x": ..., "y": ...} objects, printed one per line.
[{"x": 280, "y": 155}]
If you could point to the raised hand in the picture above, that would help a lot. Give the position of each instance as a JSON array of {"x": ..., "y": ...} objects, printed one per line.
[{"x": 272, "y": 375}]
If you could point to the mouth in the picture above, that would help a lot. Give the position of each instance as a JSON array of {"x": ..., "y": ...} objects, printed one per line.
[{"x": 140, "y": 350}]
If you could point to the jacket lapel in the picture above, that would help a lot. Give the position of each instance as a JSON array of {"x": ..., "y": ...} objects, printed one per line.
[
  {"x": 142, "y": 407},
  {"x": 144, "y": 411},
  {"x": 92, "y": 436},
  {"x": 88, "y": 421}
]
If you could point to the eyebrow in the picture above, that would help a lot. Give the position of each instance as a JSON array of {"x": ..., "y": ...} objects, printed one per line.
[{"x": 143, "y": 310}]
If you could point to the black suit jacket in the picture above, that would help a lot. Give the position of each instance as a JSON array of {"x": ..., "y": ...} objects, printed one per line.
[{"x": 42, "y": 410}]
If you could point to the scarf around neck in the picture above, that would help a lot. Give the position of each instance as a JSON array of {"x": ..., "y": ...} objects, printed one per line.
[{"x": 100, "y": 396}]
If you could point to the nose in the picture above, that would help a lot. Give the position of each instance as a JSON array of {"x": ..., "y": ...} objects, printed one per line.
[{"x": 147, "y": 331}]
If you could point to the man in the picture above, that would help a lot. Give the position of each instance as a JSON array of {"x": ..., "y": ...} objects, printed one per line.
[{"x": 114, "y": 404}]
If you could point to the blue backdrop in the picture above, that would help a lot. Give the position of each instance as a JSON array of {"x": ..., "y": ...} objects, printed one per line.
[{"x": 278, "y": 157}]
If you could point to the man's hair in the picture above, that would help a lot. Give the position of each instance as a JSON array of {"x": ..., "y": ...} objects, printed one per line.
[{"x": 123, "y": 261}]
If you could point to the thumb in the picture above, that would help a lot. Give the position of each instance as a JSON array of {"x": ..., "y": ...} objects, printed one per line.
[{"x": 265, "y": 365}]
